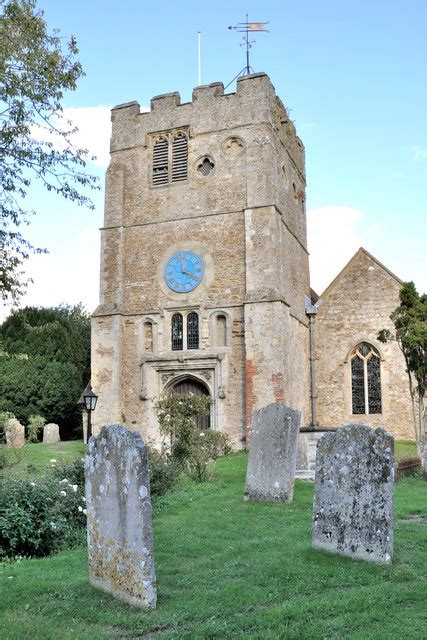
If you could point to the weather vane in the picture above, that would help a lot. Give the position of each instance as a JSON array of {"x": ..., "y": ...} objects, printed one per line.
[{"x": 246, "y": 27}]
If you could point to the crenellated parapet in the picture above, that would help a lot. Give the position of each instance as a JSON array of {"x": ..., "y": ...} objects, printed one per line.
[{"x": 254, "y": 102}]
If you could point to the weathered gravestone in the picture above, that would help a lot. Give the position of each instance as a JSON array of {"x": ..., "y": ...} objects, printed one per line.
[
  {"x": 353, "y": 502},
  {"x": 51, "y": 433},
  {"x": 15, "y": 433},
  {"x": 273, "y": 453},
  {"x": 119, "y": 530}
]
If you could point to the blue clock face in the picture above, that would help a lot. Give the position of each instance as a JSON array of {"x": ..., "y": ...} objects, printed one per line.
[{"x": 184, "y": 271}]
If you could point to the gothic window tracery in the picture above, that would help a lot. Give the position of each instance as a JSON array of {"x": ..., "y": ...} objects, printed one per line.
[{"x": 365, "y": 379}]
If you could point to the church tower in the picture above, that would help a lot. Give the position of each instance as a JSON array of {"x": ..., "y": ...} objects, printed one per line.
[{"x": 204, "y": 262}]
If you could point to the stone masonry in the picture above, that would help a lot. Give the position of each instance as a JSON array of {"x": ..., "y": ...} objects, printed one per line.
[
  {"x": 240, "y": 208},
  {"x": 353, "y": 502},
  {"x": 245, "y": 220},
  {"x": 356, "y": 306},
  {"x": 273, "y": 453},
  {"x": 119, "y": 530}
]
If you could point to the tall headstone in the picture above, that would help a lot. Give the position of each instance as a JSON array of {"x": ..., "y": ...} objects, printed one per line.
[
  {"x": 51, "y": 433},
  {"x": 15, "y": 433},
  {"x": 119, "y": 529},
  {"x": 353, "y": 502},
  {"x": 272, "y": 456}
]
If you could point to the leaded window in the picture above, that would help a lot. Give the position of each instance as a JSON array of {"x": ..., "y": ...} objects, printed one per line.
[
  {"x": 177, "y": 332},
  {"x": 365, "y": 380},
  {"x": 192, "y": 331}
]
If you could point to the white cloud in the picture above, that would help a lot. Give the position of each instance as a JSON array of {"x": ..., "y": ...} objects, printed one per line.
[
  {"x": 69, "y": 275},
  {"x": 420, "y": 153},
  {"x": 94, "y": 131},
  {"x": 334, "y": 235}
]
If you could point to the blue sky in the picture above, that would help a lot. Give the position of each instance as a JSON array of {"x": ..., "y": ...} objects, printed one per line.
[{"x": 352, "y": 75}]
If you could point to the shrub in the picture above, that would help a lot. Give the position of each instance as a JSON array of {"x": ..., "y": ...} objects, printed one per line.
[
  {"x": 35, "y": 425},
  {"x": 4, "y": 417},
  {"x": 206, "y": 447},
  {"x": 164, "y": 472},
  {"x": 177, "y": 417},
  {"x": 38, "y": 518}
]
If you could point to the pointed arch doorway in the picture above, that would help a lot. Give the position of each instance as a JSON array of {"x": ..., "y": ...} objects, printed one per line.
[{"x": 187, "y": 386}]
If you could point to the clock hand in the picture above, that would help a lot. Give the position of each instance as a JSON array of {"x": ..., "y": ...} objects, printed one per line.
[{"x": 186, "y": 273}]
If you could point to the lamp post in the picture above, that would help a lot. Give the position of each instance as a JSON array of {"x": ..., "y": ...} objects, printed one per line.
[{"x": 90, "y": 399}]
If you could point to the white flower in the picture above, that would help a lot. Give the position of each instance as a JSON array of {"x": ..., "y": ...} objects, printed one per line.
[
  {"x": 84, "y": 499},
  {"x": 74, "y": 487},
  {"x": 84, "y": 511},
  {"x": 33, "y": 484},
  {"x": 64, "y": 481},
  {"x": 53, "y": 459},
  {"x": 62, "y": 493},
  {"x": 80, "y": 508},
  {"x": 201, "y": 434},
  {"x": 53, "y": 525}
]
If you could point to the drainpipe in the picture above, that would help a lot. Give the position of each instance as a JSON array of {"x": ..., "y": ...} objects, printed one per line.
[{"x": 311, "y": 311}]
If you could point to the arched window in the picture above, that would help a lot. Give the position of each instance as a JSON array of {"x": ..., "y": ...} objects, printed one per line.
[
  {"x": 148, "y": 337},
  {"x": 365, "y": 379},
  {"x": 160, "y": 161},
  {"x": 192, "y": 331},
  {"x": 220, "y": 331},
  {"x": 179, "y": 158},
  {"x": 177, "y": 333}
]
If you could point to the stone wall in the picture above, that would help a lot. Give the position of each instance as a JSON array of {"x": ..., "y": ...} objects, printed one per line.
[
  {"x": 356, "y": 306},
  {"x": 246, "y": 220}
]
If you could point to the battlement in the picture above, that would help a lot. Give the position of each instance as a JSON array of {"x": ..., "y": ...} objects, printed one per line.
[{"x": 253, "y": 104}]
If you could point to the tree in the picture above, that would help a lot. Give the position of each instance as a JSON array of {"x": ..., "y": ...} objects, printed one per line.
[
  {"x": 45, "y": 363},
  {"x": 410, "y": 322},
  {"x": 36, "y": 68}
]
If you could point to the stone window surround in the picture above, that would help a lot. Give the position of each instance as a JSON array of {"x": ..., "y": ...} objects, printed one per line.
[
  {"x": 169, "y": 135},
  {"x": 185, "y": 312},
  {"x": 347, "y": 364},
  {"x": 212, "y": 320}
]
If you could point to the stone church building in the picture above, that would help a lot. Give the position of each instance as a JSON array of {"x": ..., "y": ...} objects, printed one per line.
[{"x": 205, "y": 283}]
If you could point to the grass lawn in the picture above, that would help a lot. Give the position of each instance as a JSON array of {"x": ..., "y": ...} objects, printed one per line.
[
  {"x": 231, "y": 569},
  {"x": 36, "y": 457}
]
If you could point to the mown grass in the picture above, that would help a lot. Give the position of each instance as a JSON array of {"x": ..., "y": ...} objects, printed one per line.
[
  {"x": 35, "y": 458},
  {"x": 231, "y": 569}
]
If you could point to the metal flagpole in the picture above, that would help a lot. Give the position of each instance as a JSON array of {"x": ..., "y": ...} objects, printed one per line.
[{"x": 200, "y": 57}]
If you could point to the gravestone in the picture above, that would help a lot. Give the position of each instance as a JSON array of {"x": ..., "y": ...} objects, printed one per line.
[
  {"x": 353, "y": 502},
  {"x": 51, "y": 433},
  {"x": 15, "y": 433},
  {"x": 119, "y": 530},
  {"x": 272, "y": 456}
]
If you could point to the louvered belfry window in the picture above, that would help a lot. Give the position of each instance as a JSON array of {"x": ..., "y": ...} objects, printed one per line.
[
  {"x": 179, "y": 158},
  {"x": 170, "y": 158},
  {"x": 177, "y": 333},
  {"x": 161, "y": 161},
  {"x": 192, "y": 331},
  {"x": 365, "y": 380}
]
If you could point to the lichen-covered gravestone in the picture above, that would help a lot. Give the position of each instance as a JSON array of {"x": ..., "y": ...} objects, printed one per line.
[
  {"x": 119, "y": 529},
  {"x": 273, "y": 453},
  {"x": 353, "y": 502},
  {"x": 15, "y": 433},
  {"x": 51, "y": 433}
]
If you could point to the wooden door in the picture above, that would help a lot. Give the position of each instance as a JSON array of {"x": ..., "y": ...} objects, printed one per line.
[{"x": 191, "y": 386}]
